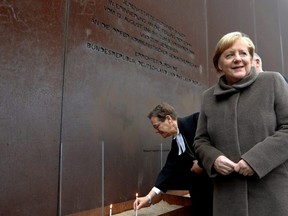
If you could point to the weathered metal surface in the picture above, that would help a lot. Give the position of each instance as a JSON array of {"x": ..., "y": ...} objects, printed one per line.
[
  {"x": 123, "y": 58},
  {"x": 118, "y": 59},
  {"x": 31, "y": 71}
]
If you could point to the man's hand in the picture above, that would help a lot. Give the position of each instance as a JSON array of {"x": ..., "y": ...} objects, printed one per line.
[
  {"x": 140, "y": 202},
  {"x": 196, "y": 168}
]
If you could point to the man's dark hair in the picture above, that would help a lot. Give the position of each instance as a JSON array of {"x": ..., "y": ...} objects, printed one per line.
[{"x": 162, "y": 110}]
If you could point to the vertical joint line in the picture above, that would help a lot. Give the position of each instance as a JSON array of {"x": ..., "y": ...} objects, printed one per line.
[{"x": 65, "y": 36}]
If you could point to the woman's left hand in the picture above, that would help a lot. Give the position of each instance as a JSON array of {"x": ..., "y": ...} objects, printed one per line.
[{"x": 243, "y": 168}]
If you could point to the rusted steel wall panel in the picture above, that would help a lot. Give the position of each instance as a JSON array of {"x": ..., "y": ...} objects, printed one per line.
[
  {"x": 31, "y": 71},
  {"x": 123, "y": 58},
  {"x": 118, "y": 59}
]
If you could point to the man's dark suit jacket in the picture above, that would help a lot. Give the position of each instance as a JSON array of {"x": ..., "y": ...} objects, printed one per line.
[{"x": 176, "y": 173}]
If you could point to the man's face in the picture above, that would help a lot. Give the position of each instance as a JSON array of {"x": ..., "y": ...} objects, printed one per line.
[{"x": 165, "y": 128}]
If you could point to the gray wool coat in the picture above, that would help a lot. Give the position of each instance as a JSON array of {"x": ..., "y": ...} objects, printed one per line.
[{"x": 248, "y": 120}]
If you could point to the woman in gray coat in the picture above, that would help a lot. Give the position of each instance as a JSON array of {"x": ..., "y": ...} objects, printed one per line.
[{"x": 242, "y": 134}]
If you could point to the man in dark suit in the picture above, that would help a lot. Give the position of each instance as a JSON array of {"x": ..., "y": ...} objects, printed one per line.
[{"x": 181, "y": 170}]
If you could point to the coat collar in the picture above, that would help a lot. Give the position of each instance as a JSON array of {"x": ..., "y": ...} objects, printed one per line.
[{"x": 222, "y": 88}]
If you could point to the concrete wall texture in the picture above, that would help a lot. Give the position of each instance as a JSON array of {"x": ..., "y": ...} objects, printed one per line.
[{"x": 79, "y": 77}]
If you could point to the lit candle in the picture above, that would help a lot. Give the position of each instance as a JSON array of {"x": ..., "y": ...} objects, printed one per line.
[
  {"x": 110, "y": 214},
  {"x": 136, "y": 204}
]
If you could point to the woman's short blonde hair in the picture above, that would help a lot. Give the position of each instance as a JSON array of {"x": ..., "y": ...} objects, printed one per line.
[{"x": 227, "y": 41}]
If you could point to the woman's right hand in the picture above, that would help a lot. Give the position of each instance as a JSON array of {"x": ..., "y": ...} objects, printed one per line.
[{"x": 223, "y": 165}]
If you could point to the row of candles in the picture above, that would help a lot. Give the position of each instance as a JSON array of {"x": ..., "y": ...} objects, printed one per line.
[{"x": 136, "y": 212}]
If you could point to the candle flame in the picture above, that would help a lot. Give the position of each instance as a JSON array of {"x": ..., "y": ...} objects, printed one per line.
[
  {"x": 136, "y": 194},
  {"x": 111, "y": 206}
]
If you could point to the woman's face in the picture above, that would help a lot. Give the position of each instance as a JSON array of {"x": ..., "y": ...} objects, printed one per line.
[{"x": 235, "y": 62}]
